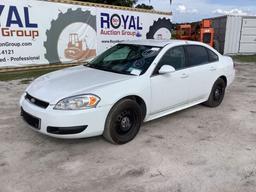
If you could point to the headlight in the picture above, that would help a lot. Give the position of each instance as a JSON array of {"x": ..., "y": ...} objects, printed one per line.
[{"x": 78, "y": 102}]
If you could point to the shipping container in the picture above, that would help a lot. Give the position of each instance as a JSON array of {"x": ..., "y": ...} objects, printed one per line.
[{"x": 235, "y": 34}]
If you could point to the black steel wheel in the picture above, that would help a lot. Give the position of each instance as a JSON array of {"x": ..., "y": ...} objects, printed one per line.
[
  {"x": 217, "y": 94},
  {"x": 123, "y": 122}
]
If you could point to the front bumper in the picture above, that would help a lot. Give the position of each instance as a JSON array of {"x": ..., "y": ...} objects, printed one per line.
[{"x": 67, "y": 124}]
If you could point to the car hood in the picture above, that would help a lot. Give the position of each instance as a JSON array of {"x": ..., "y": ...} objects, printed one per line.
[{"x": 71, "y": 81}]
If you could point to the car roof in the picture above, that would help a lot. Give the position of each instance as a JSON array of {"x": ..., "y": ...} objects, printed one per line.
[
  {"x": 163, "y": 43},
  {"x": 153, "y": 42}
]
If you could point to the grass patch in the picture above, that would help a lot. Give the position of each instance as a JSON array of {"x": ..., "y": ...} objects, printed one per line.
[
  {"x": 26, "y": 75},
  {"x": 245, "y": 58},
  {"x": 26, "y": 81}
]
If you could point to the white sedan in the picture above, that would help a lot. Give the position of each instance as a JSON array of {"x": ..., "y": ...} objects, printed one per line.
[{"x": 130, "y": 83}]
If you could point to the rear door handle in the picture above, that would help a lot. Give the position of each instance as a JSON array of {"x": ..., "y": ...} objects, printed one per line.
[
  {"x": 184, "y": 76},
  {"x": 213, "y": 68}
]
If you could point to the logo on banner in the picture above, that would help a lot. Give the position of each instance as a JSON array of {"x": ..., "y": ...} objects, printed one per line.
[
  {"x": 17, "y": 23},
  {"x": 72, "y": 37},
  {"x": 161, "y": 29},
  {"x": 124, "y": 25}
]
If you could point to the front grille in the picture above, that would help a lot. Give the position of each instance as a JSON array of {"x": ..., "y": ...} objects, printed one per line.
[
  {"x": 36, "y": 101},
  {"x": 30, "y": 119}
]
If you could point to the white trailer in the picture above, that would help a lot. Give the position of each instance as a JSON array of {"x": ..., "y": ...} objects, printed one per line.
[{"x": 63, "y": 31}]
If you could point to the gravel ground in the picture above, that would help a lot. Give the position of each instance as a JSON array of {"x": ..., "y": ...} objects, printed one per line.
[{"x": 196, "y": 150}]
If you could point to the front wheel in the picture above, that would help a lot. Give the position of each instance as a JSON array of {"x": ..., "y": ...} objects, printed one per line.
[
  {"x": 217, "y": 93},
  {"x": 123, "y": 122}
]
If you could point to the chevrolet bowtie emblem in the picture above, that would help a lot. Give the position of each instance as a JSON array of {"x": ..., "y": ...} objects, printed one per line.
[{"x": 32, "y": 100}]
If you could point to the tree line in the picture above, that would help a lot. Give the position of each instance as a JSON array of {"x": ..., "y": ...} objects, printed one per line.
[{"x": 125, "y": 3}]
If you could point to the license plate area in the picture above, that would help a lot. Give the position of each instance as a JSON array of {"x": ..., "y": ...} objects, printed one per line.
[{"x": 31, "y": 120}]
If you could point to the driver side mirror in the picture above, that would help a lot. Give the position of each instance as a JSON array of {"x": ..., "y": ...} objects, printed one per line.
[{"x": 165, "y": 69}]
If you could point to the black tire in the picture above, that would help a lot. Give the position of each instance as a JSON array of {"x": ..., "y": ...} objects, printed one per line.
[
  {"x": 217, "y": 94},
  {"x": 58, "y": 25},
  {"x": 123, "y": 122},
  {"x": 160, "y": 23}
]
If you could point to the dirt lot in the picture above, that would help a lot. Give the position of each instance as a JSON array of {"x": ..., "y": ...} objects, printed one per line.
[{"x": 195, "y": 150}]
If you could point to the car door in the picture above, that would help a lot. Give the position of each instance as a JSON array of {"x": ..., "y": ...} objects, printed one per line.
[
  {"x": 170, "y": 90},
  {"x": 202, "y": 72}
]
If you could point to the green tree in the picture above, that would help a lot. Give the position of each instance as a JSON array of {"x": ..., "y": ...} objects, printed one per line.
[
  {"x": 144, "y": 6},
  {"x": 125, "y": 3}
]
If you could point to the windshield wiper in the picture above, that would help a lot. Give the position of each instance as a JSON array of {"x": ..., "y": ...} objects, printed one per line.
[
  {"x": 91, "y": 66},
  {"x": 106, "y": 69}
]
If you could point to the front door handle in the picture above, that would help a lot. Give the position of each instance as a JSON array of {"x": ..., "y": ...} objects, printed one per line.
[
  {"x": 184, "y": 76},
  {"x": 213, "y": 68}
]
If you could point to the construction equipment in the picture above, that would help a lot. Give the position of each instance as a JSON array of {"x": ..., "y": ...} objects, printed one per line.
[
  {"x": 198, "y": 31},
  {"x": 75, "y": 50}
]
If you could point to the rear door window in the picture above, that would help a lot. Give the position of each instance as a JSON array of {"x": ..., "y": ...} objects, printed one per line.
[
  {"x": 213, "y": 57},
  {"x": 197, "y": 55}
]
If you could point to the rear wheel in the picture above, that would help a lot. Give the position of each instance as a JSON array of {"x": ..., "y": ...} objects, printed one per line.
[
  {"x": 217, "y": 94},
  {"x": 123, "y": 122}
]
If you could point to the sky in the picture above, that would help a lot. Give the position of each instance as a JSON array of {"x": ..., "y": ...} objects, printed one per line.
[{"x": 195, "y": 10}]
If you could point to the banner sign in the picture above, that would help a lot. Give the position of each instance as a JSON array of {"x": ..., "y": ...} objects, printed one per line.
[{"x": 39, "y": 32}]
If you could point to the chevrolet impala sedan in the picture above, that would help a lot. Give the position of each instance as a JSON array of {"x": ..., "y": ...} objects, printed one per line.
[{"x": 130, "y": 83}]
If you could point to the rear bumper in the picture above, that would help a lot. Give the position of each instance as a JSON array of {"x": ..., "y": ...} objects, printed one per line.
[
  {"x": 67, "y": 124},
  {"x": 231, "y": 77}
]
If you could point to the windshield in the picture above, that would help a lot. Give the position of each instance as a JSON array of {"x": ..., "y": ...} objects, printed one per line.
[{"x": 126, "y": 59}]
